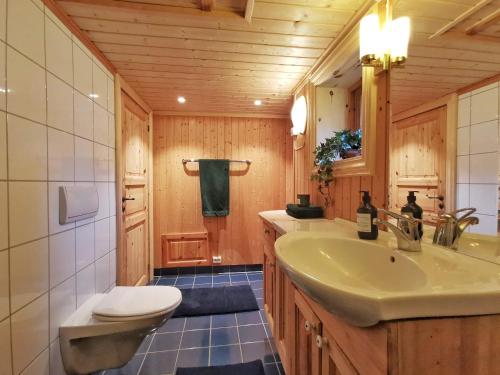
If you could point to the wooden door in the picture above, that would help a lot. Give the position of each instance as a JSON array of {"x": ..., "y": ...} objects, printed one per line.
[
  {"x": 418, "y": 161},
  {"x": 306, "y": 326},
  {"x": 283, "y": 314},
  {"x": 134, "y": 253},
  {"x": 333, "y": 359}
]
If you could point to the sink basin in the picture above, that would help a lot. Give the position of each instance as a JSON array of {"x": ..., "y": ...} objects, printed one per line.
[
  {"x": 365, "y": 282},
  {"x": 480, "y": 246}
]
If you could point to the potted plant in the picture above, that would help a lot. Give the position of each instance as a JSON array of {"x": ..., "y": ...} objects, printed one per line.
[
  {"x": 342, "y": 145},
  {"x": 351, "y": 143},
  {"x": 325, "y": 154}
]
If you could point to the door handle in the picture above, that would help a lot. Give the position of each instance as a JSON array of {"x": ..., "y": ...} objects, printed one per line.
[
  {"x": 128, "y": 199},
  {"x": 439, "y": 197}
]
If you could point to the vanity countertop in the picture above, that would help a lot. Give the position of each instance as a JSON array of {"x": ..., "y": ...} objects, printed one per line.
[{"x": 284, "y": 223}]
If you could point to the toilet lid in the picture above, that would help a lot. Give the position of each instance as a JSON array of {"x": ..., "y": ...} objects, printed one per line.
[{"x": 130, "y": 301}]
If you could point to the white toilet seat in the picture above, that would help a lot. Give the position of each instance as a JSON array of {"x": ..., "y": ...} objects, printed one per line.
[{"x": 124, "y": 303}]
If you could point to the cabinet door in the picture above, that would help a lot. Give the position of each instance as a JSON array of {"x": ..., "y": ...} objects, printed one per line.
[
  {"x": 334, "y": 361},
  {"x": 269, "y": 286},
  {"x": 306, "y": 355},
  {"x": 283, "y": 315}
]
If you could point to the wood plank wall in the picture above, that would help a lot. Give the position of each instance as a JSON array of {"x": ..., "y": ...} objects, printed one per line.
[
  {"x": 267, "y": 183},
  {"x": 345, "y": 190}
]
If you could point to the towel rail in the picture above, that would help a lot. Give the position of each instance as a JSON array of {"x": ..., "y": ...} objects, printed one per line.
[{"x": 184, "y": 161}]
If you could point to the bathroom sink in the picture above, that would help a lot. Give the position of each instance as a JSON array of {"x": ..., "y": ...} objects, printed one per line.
[
  {"x": 365, "y": 282},
  {"x": 481, "y": 246}
]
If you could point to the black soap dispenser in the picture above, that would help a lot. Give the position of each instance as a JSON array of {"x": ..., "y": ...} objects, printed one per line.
[
  {"x": 366, "y": 218},
  {"x": 412, "y": 209}
]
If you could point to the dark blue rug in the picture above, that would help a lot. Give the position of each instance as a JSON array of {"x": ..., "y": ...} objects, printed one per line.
[
  {"x": 218, "y": 300},
  {"x": 250, "y": 368}
]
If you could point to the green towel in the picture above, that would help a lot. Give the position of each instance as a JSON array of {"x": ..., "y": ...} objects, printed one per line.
[{"x": 214, "y": 187}]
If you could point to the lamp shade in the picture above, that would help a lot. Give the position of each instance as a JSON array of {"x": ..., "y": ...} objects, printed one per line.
[
  {"x": 369, "y": 37},
  {"x": 299, "y": 116},
  {"x": 399, "y": 38}
]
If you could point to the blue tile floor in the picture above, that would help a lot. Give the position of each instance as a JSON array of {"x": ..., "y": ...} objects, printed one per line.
[{"x": 207, "y": 340}]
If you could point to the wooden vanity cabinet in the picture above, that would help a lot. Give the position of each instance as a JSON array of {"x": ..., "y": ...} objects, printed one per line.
[
  {"x": 306, "y": 358},
  {"x": 269, "y": 268},
  {"x": 283, "y": 314},
  {"x": 304, "y": 346}
]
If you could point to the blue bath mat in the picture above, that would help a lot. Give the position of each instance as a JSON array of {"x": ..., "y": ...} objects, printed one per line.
[
  {"x": 249, "y": 368},
  {"x": 218, "y": 300}
]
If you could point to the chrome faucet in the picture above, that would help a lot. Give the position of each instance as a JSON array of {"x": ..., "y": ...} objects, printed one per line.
[
  {"x": 406, "y": 230},
  {"x": 449, "y": 227}
]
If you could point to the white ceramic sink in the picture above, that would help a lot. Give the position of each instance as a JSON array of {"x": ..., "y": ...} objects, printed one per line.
[{"x": 365, "y": 282}]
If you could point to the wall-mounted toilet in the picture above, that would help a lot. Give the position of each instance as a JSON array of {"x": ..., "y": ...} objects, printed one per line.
[{"x": 106, "y": 331}]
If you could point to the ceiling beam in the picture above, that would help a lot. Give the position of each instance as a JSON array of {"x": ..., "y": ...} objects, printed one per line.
[
  {"x": 483, "y": 23},
  {"x": 222, "y": 14},
  {"x": 461, "y": 17},
  {"x": 207, "y": 5},
  {"x": 249, "y": 10}
]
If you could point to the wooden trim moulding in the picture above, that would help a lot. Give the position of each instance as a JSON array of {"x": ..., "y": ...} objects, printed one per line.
[
  {"x": 220, "y": 114},
  {"x": 364, "y": 165},
  {"x": 249, "y": 10},
  {"x": 469, "y": 12},
  {"x": 334, "y": 45},
  {"x": 483, "y": 23},
  {"x": 131, "y": 92},
  {"x": 479, "y": 84},
  {"x": 75, "y": 29},
  {"x": 122, "y": 86}
]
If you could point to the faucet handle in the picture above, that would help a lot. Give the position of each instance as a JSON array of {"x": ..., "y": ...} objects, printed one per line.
[{"x": 467, "y": 212}]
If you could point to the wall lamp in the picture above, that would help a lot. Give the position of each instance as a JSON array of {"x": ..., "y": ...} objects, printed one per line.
[{"x": 299, "y": 116}]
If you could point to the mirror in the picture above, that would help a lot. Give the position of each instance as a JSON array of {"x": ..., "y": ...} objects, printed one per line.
[
  {"x": 345, "y": 99},
  {"x": 444, "y": 136}
]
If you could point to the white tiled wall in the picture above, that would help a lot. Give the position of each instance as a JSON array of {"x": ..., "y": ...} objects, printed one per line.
[
  {"x": 53, "y": 132},
  {"x": 478, "y": 151}
]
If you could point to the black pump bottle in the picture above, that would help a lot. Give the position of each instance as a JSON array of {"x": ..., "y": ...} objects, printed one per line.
[
  {"x": 413, "y": 209},
  {"x": 366, "y": 218}
]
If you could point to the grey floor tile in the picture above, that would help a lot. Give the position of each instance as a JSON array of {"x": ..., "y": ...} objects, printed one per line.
[
  {"x": 252, "y": 333},
  {"x": 223, "y": 320},
  {"x": 258, "y": 350},
  {"x": 159, "y": 363},
  {"x": 197, "y": 322},
  {"x": 225, "y": 355},
  {"x": 130, "y": 368},
  {"x": 193, "y": 357},
  {"x": 195, "y": 339},
  {"x": 224, "y": 336},
  {"x": 165, "y": 341},
  {"x": 173, "y": 325},
  {"x": 250, "y": 317}
]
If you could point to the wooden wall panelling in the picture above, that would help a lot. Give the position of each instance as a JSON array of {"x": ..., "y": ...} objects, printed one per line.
[{"x": 261, "y": 186}]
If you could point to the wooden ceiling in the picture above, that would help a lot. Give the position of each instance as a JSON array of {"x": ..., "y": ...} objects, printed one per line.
[
  {"x": 454, "y": 43},
  {"x": 220, "y": 54}
]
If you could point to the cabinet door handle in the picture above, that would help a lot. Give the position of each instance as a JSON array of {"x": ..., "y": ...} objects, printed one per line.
[
  {"x": 308, "y": 326},
  {"x": 267, "y": 231},
  {"x": 321, "y": 341}
]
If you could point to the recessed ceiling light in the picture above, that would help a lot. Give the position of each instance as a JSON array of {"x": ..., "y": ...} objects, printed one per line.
[
  {"x": 94, "y": 96},
  {"x": 181, "y": 99},
  {"x": 257, "y": 102}
]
